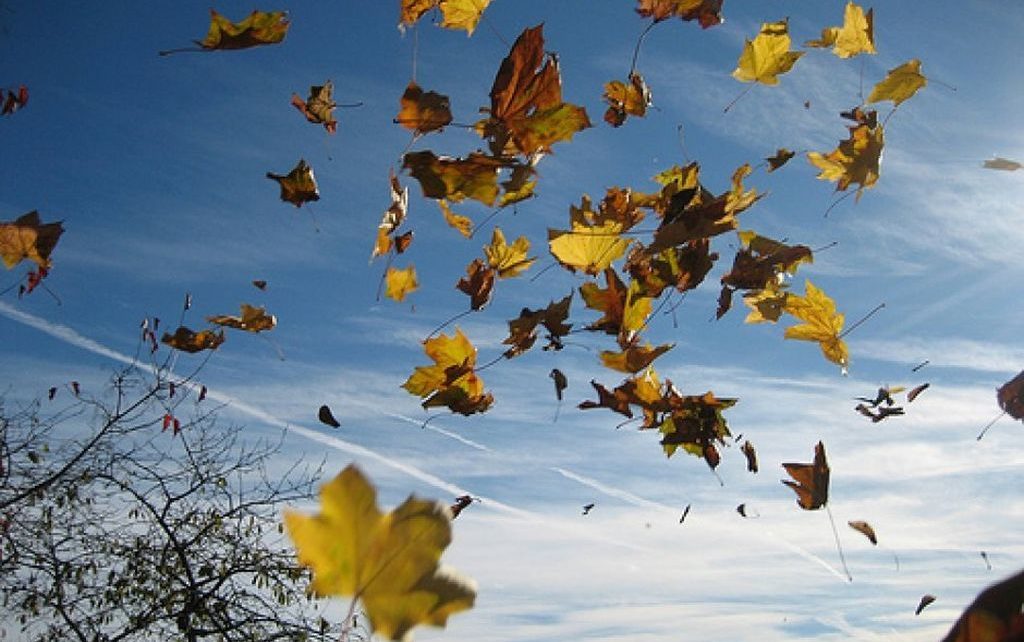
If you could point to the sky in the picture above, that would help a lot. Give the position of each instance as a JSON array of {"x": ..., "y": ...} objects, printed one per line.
[{"x": 156, "y": 167}]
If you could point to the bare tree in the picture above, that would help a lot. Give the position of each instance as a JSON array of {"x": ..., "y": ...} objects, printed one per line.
[{"x": 138, "y": 516}]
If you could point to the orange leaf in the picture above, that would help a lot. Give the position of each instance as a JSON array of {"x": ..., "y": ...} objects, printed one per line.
[
  {"x": 28, "y": 238},
  {"x": 188, "y": 341},
  {"x": 421, "y": 111}
]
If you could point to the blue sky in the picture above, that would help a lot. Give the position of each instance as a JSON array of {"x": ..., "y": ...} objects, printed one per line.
[{"x": 156, "y": 167}]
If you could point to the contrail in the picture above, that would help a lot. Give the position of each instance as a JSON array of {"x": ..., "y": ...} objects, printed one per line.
[
  {"x": 611, "y": 491},
  {"x": 72, "y": 337}
]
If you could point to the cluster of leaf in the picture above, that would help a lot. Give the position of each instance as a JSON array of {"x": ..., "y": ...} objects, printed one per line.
[{"x": 252, "y": 319}]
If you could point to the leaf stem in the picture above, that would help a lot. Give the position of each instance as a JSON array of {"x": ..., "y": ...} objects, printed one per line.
[
  {"x": 990, "y": 424},
  {"x": 861, "y": 320},
  {"x": 639, "y": 41}
]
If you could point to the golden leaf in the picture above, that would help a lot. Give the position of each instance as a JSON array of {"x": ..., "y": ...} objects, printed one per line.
[
  {"x": 252, "y": 319},
  {"x": 450, "y": 381},
  {"x": 456, "y": 179},
  {"x": 634, "y": 358},
  {"x": 767, "y": 56},
  {"x": 508, "y": 260},
  {"x": 28, "y": 238},
  {"x": 260, "y": 28},
  {"x": 389, "y": 561},
  {"x": 421, "y": 111},
  {"x": 399, "y": 283},
  {"x": 821, "y": 323},
  {"x": 461, "y": 223},
  {"x": 462, "y": 14},
  {"x": 900, "y": 84},
  {"x": 855, "y": 160},
  {"x": 626, "y": 100},
  {"x": 856, "y": 36}
]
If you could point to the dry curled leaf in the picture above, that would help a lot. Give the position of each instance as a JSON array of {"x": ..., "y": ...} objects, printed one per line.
[
  {"x": 319, "y": 107},
  {"x": 390, "y": 562},
  {"x": 186, "y": 340},
  {"x": 259, "y": 28},
  {"x": 423, "y": 111},
  {"x": 1003, "y": 164},
  {"x": 455, "y": 179},
  {"x": 561, "y": 382},
  {"x": 297, "y": 186},
  {"x": 865, "y": 529},
  {"x": 393, "y": 217},
  {"x": 478, "y": 284},
  {"x": 926, "y": 599},
  {"x": 810, "y": 480},
  {"x": 14, "y": 100},
  {"x": 624, "y": 99},
  {"x": 751, "y": 454},
  {"x": 252, "y": 319},
  {"x": 327, "y": 417},
  {"x": 707, "y": 12}
]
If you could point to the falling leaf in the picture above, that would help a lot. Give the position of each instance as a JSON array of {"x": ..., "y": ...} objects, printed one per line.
[
  {"x": 14, "y": 101},
  {"x": 527, "y": 114},
  {"x": 591, "y": 249},
  {"x": 478, "y": 284},
  {"x": 748, "y": 451},
  {"x": 686, "y": 511},
  {"x": 884, "y": 395},
  {"x": 1002, "y": 164},
  {"x": 695, "y": 423},
  {"x": 634, "y": 358},
  {"x": 624, "y": 100},
  {"x": 202, "y": 394},
  {"x": 926, "y": 599},
  {"x": 327, "y": 417},
  {"x": 423, "y": 112},
  {"x": 509, "y": 260},
  {"x": 400, "y": 282},
  {"x": 766, "y": 305},
  {"x": 451, "y": 381},
  {"x": 821, "y": 323},
  {"x": 994, "y": 615},
  {"x": 742, "y": 510},
  {"x": 900, "y": 84},
  {"x": 252, "y": 319},
  {"x": 781, "y": 157},
  {"x": 260, "y": 28},
  {"x": 811, "y": 480},
  {"x": 75, "y": 388},
  {"x": 462, "y": 14},
  {"x": 856, "y": 36},
  {"x": 393, "y": 216},
  {"x": 865, "y": 529},
  {"x": 298, "y": 186},
  {"x": 759, "y": 267},
  {"x": 319, "y": 107},
  {"x": 683, "y": 267},
  {"x": 587, "y": 508},
  {"x": 28, "y": 238},
  {"x": 561, "y": 383},
  {"x": 455, "y": 179},
  {"x": 854, "y": 160},
  {"x": 461, "y": 223},
  {"x": 259, "y": 284},
  {"x": 1011, "y": 397},
  {"x": 767, "y": 56},
  {"x": 707, "y": 12},
  {"x": 52, "y": 393},
  {"x": 461, "y": 503},
  {"x": 188, "y": 341},
  {"x": 523, "y": 329},
  {"x": 916, "y": 391},
  {"x": 625, "y": 310},
  {"x": 388, "y": 561}
]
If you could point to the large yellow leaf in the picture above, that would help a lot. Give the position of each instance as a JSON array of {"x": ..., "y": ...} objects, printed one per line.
[
  {"x": 28, "y": 238},
  {"x": 856, "y": 36},
  {"x": 389, "y": 561},
  {"x": 821, "y": 323},
  {"x": 767, "y": 55},
  {"x": 462, "y": 14},
  {"x": 399, "y": 283},
  {"x": 508, "y": 260},
  {"x": 900, "y": 84},
  {"x": 588, "y": 248},
  {"x": 260, "y": 28}
]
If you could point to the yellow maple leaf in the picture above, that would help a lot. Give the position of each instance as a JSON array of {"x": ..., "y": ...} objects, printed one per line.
[
  {"x": 767, "y": 55},
  {"x": 634, "y": 358},
  {"x": 854, "y": 160},
  {"x": 388, "y": 561},
  {"x": 399, "y": 283},
  {"x": 28, "y": 238},
  {"x": 766, "y": 305},
  {"x": 856, "y": 36},
  {"x": 821, "y": 323},
  {"x": 462, "y": 14},
  {"x": 588, "y": 248},
  {"x": 450, "y": 381},
  {"x": 252, "y": 319},
  {"x": 900, "y": 84},
  {"x": 461, "y": 223},
  {"x": 508, "y": 260}
]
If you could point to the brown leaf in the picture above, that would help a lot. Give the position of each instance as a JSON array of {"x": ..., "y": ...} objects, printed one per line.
[
  {"x": 707, "y": 12},
  {"x": 423, "y": 112},
  {"x": 478, "y": 284},
  {"x": 561, "y": 383},
  {"x": 188, "y": 341},
  {"x": 297, "y": 186},
  {"x": 748, "y": 451},
  {"x": 28, "y": 238},
  {"x": 865, "y": 529},
  {"x": 327, "y": 417},
  {"x": 811, "y": 480},
  {"x": 624, "y": 100},
  {"x": 914, "y": 392},
  {"x": 926, "y": 599},
  {"x": 318, "y": 108},
  {"x": 1011, "y": 397}
]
